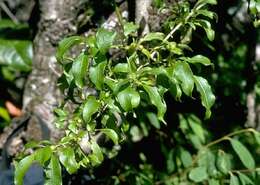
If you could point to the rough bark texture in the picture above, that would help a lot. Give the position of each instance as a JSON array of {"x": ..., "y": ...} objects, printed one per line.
[
  {"x": 41, "y": 95},
  {"x": 142, "y": 14}
]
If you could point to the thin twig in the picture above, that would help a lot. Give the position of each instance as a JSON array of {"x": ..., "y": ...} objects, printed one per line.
[{"x": 9, "y": 13}]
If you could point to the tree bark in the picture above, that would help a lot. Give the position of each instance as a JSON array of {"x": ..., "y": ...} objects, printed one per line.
[
  {"x": 41, "y": 95},
  {"x": 142, "y": 14}
]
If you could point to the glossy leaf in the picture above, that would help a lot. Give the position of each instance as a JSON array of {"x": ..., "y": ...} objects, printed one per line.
[
  {"x": 156, "y": 100},
  {"x": 79, "y": 69},
  {"x": 121, "y": 68},
  {"x": 21, "y": 168},
  {"x": 184, "y": 74},
  {"x": 129, "y": 28},
  {"x": 153, "y": 36},
  {"x": 16, "y": 54},
  {"x": 198, "y": 174},
  {"x": 96, "y": 74},
  {"x": 68, "y": 160},
  {"x": 243, "y": 154},
  {"x": 111, "y": 134},
  {"x": 104, "y": 39},
  {"x": 53, "y": 172},
  {"x": 97, "y": 151},
  {"x": 42, "y": 155},
  {"x": 206, "y": 95},
  {"x": 91, "y": 107},
  {"x": 207, "y": 13},
  {"x": 128, "y": 98},
  {"x": 213, "y": 2},
  {"x": 67, "y": 44},
  {"x": 199, "y": 59}
]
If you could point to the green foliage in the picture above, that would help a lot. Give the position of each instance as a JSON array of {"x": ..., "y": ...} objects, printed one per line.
[{"x": 126, "y": 96}]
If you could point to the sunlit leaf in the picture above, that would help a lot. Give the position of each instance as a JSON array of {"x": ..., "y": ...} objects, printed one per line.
[
  {"x": 97, "y": 151},
  {"x": 91, "y": 107},
  {"x": 156, "y": 100},
  {"x": 121, "y": 68},
  {"x": 199, "y": 59},
  {"x": 104, "y": 39},
  {"x": 21, "y": 168},
  {"x": 207, "y": 97},
  {"x": 128, "y": 98},
  {"x": 184, "y": 74},
  {"x": 153, "y": 36},
  {"x": 67, "y": 44},
  {"x": 53, "y": 172},
  {"x": 96, "y": 74},
  {"x": 67, "y": 158},
  {"x": 111, "y": 134},
  {"x": 79, "y": 69},
  {"x": 129, "y": 28}
]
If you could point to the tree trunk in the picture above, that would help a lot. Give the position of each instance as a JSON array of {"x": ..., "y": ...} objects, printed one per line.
[{"x": 41, "y": 95}]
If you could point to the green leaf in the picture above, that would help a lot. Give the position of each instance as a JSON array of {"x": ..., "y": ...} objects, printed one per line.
[
  {"x": 96, "y": 73},
  {"x": 67, "y": 158},
  {"x": 4, "y": 114},
  {"x": 185, "y": 157},
  {"x": 16, "y": 54},
  {"x": 195, "y": 124},
  {"x": 21, "y": 168},
  {"x": 198, "y": 174},
  {"x": 257, "y": 136},
  {"x": 153, "y": 119},
  {"x": 199, "y": 59},
  {"x": 244, "y": 179},
  {"x": 121, "y": 68},
  {"x": 53, "y": 172},
  {"x": 111, "y": 134},
  {"x": 79, "y": 69},
  {"x": 170, "y": 161},
  {"x": 97, "y": 151},
  {"x": 128, "y": 98},
  {"x": 213, "y": 182},
  {"x": 243, "y": 154},
  {"x": 213, "y": 2},
  {"x": 233, "y": 180},
  {"x": 207, "y": 97},
  {"x": 152, "y": 36},
  {"x": 207, "y": 13},
  {"x": 42, "y": 155},
  {"x": 104, "y": 39},
  {"x": 183, "y": 73},
  {"x": 156, "y": 100},
  {"x": 129, "y": 28},
  {"x": 90, "y": 107},
  {"x": 223, "y": 163},
  {"x": 210, "y": 33},
  {"x": 66, "y": 44}
]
